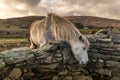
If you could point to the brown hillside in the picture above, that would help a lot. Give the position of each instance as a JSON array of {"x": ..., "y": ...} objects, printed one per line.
[
  {"x": 24, "y": 22},
  {"x": 94, "y": 21}
]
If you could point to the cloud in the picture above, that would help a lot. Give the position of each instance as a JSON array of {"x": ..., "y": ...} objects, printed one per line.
[{"x": 100, "y": 8}]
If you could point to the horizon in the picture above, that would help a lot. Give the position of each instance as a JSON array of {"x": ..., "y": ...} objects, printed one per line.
[
  {"x": 63, "y": 16},
  {"x": 22, "y": 8}
]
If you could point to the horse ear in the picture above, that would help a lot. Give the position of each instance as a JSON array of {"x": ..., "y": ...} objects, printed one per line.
[{"x": 80, "y": 37}]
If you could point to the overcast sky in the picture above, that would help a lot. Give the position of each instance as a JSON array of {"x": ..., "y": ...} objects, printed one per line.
[{"x": 100, "y": 8}]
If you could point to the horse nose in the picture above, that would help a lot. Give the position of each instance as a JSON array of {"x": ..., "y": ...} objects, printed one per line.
[{"x": 85, "y": 61}]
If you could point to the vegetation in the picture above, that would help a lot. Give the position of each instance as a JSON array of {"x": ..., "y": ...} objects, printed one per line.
[
  {"x": 12, "y": 43},
  {"x": 88, "y": 31},
  {"x": 11, "y": 38},
  {"x": 14, "y": 32}
]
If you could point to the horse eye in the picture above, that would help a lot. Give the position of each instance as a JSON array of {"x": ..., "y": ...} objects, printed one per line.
[{"x": 84, "y": 48}]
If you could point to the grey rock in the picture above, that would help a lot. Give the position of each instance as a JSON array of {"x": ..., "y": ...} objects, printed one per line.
[
  {"x": 116, "y": 72},
  {"x": 55, "y": 78},
  {"x": 2, "y": 63},
  {"x": 15, "y": 74},
  {"x": 103, "y": 45},
  {"x": 116, "y": 40},
  {"x": 115, "y": 78},
  {"x": 17, "y": 55},
  {"x": 104, "y": 40},
  {"x": 64, "y": 72},
  {"x": 48, "y": 59},
  {"x": 92, "y": 40},
  {"x": 7, "y": 78},
  {"x": 104, "y": 72},
  {"x": 113, "y": 64},
  {"x": 69, "y": 78}
]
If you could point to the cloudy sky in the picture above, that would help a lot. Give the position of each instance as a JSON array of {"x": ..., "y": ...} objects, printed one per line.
[{"x": 100, "y": 8}]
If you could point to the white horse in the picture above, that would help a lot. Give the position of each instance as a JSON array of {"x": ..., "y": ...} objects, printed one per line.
[{"x": 56, "y": 28}]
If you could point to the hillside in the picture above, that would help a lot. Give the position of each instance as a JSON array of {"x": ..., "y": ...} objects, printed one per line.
[
  {"x": 21, "y": 22},
  {"x": 80, "y": 21},
  {"x": 14, "y": 32},
  {"x": 91, "y": 21}
]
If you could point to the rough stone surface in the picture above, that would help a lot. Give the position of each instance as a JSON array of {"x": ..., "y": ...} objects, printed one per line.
[
  {"x": 55, "y": 61},
  {"x": 15, "y": 74},
  {"x": 2, "y": 63},
  {"x": 104, "y": 71},
  {"x": 17, "y": 55}
]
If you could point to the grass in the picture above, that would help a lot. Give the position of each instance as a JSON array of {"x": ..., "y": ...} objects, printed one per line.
[
  {"x": 6, "y": 41},
  {"x": 12, "y": 38},
  {"x": 87, "y": 31},
  {"x": 10, "y": 43}
]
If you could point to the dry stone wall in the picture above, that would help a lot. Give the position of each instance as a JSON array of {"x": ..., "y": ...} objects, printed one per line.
[
  {"x": 55, "y": 61},
  {"x": 105, "y": 54}
]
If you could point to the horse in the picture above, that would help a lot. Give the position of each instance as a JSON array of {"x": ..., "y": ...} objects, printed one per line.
[{"x": 57, "y": 28}]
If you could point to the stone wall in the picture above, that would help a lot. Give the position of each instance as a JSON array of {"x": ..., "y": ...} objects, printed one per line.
[
  {"x": 53, "y": 62},
  {"x": 105, "y": 54},
  {"x": 56, "y": 62}
]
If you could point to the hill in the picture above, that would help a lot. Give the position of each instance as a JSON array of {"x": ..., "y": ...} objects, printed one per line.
[
  {"x": 97, "y": 22},
  {"x": 21, "y": 22},
  {"x": 14, "y": 32},
  {"x": 79, "y": 21}
]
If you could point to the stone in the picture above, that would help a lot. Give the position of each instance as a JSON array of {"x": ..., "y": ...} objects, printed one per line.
[
  {"x": 99, "y": 65},
  {"x": 51, "y": 66},
  {"x": 68, "y": 78},
  {"x": 116, "y": 37},
  {"x": 113, "y": 64},
  {"x": 17, "y": 55},
  {"x": 104, "y": 40},
  {"x": 15, "y": 74},
  {"x": 20, "y": 49},
  {"x": 88, "y": 78},
  {"x": 116, "y": 72},
  {"x": 116, "y": 40},
  {"x": 102, "y": 64},
  {"x": 58, "y": 55},
  {"x": 104, "y": 72},
  {"x": 115, "y": 78},
  {"x": 2, "y": 64},
  {"x": 7, "y": 79},
  {"x": 82, "y": 78},
  {"x": 48, "y": 59},
  {"x": 55, "y": 78},
  {"x": 64, "y": 72},
  {"x": 102, "y": 45},
  {"x": 92, "y": 40}
]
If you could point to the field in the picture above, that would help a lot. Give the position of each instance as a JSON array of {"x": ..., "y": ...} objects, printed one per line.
[
  {"x": 13, "y": 37},
  {"x": 14, "y": 32}
]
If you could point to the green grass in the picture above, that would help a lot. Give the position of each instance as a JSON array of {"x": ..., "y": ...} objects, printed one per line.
[
  {"x": 6, "y": 41},
  {"x": 20, "y": 38},
  {"x": 86, "y": 31},
  {"x": 9, "y": 43},
  {"x": 3, "y": 26}
]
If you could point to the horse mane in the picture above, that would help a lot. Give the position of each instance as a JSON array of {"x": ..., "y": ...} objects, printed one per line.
[
  {"x": 64, "y": 29},
  {"x": 54, "y": 27}
]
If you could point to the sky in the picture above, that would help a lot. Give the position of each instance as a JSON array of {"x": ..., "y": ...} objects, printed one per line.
[{"x": 99, "y": 8}]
